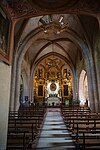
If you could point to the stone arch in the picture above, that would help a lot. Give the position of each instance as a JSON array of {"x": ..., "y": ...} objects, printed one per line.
[
  {"x": 77, "y": 41},
  {"x": 62, "y": 57},
  {"x": 24, "y": 88},
  {"x": 25, "y": 85},
  {"x": 83, "y": 88}
]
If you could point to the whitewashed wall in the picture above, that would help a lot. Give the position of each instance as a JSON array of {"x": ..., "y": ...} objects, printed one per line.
[{"x": 5, "y": 77}]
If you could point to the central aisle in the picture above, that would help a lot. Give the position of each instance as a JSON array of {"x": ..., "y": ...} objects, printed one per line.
[{"x": 54, "y": 134}]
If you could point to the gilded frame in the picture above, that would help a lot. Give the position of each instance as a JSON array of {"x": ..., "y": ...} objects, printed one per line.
[
  {"x": 4, "y": 37},
  {"x": 40, "y": 93},
  {"x": 64, "y": 88}
]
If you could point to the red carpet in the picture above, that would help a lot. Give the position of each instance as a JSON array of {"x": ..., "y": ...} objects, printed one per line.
[{"x": 53, "y": 110}]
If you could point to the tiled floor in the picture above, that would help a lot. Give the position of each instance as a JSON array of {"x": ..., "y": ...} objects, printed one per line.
[{"x": 54, "y": 134}]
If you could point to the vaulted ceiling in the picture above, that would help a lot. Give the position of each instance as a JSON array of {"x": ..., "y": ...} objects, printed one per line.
[
  {"x": 29, "y": 8},
  {"x": 80, "y": 17}
]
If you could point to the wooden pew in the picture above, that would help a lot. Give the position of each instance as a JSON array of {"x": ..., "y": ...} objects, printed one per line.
[
  {"x": 18, "y": 140},
  {"x": 89, "y": 140},
  {"x": 23, "y": 128},
  {"x": 85, "y": 128}
]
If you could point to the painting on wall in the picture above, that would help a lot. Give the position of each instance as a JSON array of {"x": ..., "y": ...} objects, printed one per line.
[
  {"x": 65, "y": 88},
  {"x": 4, "y": 33},
  {"x": 40, "y": 90}
]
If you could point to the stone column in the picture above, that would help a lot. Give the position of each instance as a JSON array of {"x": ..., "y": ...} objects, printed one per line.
[
  {"x": 95, "y": 87},
  {"x": 96, "y": 96},
  {"x": 17, "y": 86},
  {"x": 11, "y": 47},
  {"x": 88, "y": 65},
  {"x": 32, "y": 84},
  {"x": 97, "y": 64},
  {"x": 75, "y": 90},
  {"x": 98, "y": 74},
  {"x": 31, "y": 89},
  {"x": 13, "y": 79},
  {"x": 90, "y": 92}
]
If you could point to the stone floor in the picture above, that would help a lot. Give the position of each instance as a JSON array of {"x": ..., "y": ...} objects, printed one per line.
[{"x": 54, "y": 134}]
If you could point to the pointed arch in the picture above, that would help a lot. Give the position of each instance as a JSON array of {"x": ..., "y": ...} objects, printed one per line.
[{"x": 83, "y": 88}]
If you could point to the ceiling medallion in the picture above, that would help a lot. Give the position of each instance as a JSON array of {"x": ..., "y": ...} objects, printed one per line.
[{"x": 53, "y": 87}]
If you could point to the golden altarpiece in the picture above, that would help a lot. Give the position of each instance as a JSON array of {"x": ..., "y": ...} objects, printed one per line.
[{"x": 49, "y": 72}]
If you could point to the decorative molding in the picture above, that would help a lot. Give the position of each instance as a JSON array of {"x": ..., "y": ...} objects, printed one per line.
[
  {"x": 17, "y": 8},
  {"x": 28, "y": 8}
]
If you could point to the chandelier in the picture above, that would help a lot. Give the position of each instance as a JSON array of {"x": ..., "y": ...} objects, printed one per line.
[{"x": 49, "y": 24}]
